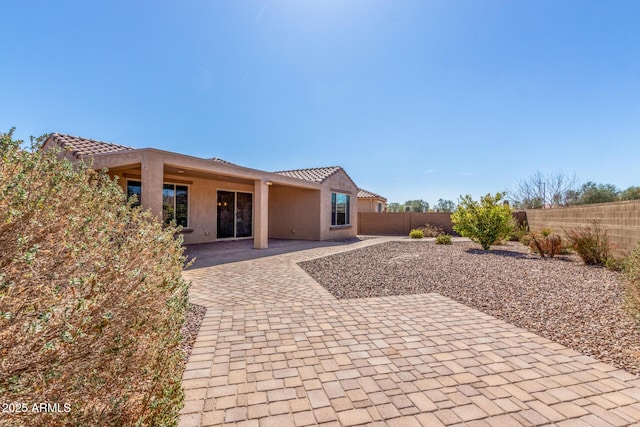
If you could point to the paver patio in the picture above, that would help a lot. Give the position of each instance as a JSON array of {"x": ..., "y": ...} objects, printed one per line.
[{"x": 276, "y": 349}]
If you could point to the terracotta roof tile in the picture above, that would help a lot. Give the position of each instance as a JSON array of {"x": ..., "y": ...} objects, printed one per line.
[
  {"x": 219, "y": 160},
  {"x": 82, "y": 147},
  {"x": 311, "y": 174},
  {"x": 364, "y": 194}
]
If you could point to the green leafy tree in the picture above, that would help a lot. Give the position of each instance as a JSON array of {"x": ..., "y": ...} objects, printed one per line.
[
  {"x": 486, "y": 222},
  {"x": 592, "y": 192},
  {"x": 631, "y": 193},
  {"x": 417, "y": 205},
  {"x": 445, "y": 205},
  {"x": 395, "y": 207}
]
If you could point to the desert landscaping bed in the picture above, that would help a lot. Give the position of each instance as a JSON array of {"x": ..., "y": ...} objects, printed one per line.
[
  {"x": 191, "y": 327},
  {"x": 561, "y": 299}
]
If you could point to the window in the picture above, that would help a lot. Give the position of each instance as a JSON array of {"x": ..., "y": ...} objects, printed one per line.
[
  {"x": 340, "y": 209},
  {"x": 379, "y": 207},
  {"x": 175, "y": 204},
  {"x": 134, "y": 188}
]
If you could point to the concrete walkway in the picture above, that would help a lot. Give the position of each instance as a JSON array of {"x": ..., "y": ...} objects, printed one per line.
[{"x": 276, "y": 349}]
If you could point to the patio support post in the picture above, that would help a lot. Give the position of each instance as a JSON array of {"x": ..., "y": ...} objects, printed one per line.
[
  {"x": 152, "y": 175},
  {"x": 261, "y": 226}
]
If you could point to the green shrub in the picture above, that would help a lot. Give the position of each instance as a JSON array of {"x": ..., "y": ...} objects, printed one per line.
[
  {"x": 91, "y": 296},
  {"x": 416, "y": 233},
  {"x": 591, "y": 243},
  {"x": 519, "y": 231},
  {"x": 443, "y": 239},
  {"x": 545, "y": 243},
  {"x": 526, "y": 239},
  {"x": 487, "y": 222}
]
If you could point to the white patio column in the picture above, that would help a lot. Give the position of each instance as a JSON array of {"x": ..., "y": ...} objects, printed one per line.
[
  {"x": 261, "y": 217},
  {"x": 152, "y": 174}
]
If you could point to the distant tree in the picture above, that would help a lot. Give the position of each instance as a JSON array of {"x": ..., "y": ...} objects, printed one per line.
[
  {"x": 540, "y": 190},
  {"x": 417, "y": 205},
  {"x": 445, "y": 205},
  {"x": 395, "y": 207},
  {"x": 486, "y": 222},
  {"x": 631, "y": 193},
  {"x": 572, "y": 197},
  {"x": 592, "y": 192}
]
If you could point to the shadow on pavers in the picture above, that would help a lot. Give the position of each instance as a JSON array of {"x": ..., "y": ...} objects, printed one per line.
[{"x": 216, "y": 253}]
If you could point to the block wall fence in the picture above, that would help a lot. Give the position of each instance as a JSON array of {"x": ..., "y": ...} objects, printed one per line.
[
  {"x": 400, "y": 223},
  {"x": 621, "y": 220}
]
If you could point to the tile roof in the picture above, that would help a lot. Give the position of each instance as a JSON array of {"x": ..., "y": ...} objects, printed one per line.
[
  {"x": 311, "y": 174},
  {"x": 81, "y": 147},
  {"x": 364, "y": 194},
  {"x": 219, "y": 160}
]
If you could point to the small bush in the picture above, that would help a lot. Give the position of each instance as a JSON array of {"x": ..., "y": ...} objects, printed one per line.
[
  {"x": 591, "y": 244},
  {"x": 526, "y": 239},
  {"x": 416, "y": 233},
  {"x": 520, "y": 230},
  {"x": 487, "y": 222},
  {"x": 443, "y": 239},
  {"x": 91, "y": 297},
  {"x": 431, "y": 230},
  {"x": 615, "y": 264},
  {"x": 545, "y": 243}
]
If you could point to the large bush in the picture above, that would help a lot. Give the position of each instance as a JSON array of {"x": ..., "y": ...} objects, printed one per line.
[
  {"x": 91, "y": 298},
  {"x": 487, "y": 222}
]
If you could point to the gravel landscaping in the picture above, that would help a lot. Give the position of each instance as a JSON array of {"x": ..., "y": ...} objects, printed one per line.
[
  {"x": 190, "y": 329},
  {"x": 561, "y": 299}
]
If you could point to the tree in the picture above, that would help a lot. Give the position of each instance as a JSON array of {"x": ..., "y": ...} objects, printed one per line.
[
  {"x": 486, "y": 222},
  {"x": 445, "y": 205},
  {"x": 592, "y": 192},
  {"x": 540, "y": 191},
  {"x": 417, "y": 205},
  {"x": 631, "y": 193},
  {"x": 395, "y": 207}
]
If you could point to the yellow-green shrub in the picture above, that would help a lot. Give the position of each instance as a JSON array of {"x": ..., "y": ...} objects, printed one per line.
[
  {"x": 91, "y": 297},
  {"x": 416, "y": 233},
  {"x": 443, "y": 239},
  {"x": 487, "y": 221}
]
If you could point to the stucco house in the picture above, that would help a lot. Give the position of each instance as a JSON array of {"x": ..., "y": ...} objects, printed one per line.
[
  {"x": 371, "y": 202},
  {"x": 214, "y": 200}
]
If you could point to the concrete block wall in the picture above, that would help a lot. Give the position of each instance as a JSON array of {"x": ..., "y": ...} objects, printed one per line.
[
  {"x": 621, "y": 220},
  {"x": 400, "y": 223}
]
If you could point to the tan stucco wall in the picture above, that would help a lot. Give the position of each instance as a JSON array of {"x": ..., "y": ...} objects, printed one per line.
[
  {"x": 370, "y": 205},
  {"x": 338, "y": 183},
  {"x": 203, "y": 209},
  {"x": 294, "y": 213}
]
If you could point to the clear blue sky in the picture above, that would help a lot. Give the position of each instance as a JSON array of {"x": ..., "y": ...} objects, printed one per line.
[{"x": 415, "y": 99}]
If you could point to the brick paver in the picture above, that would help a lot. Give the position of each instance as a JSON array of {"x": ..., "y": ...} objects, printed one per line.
[{"x": 275, "y": 348}]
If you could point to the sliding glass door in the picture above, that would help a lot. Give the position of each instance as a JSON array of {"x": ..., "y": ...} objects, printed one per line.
[{"x": 235, "y": 214}]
